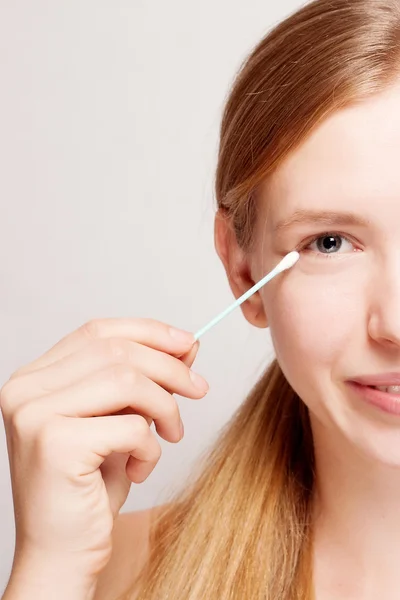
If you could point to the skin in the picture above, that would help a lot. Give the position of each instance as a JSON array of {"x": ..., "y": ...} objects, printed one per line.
[{"x": 332, "y": 317}]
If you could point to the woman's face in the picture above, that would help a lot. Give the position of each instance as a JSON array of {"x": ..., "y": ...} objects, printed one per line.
[{"x": 335, "y": 315}]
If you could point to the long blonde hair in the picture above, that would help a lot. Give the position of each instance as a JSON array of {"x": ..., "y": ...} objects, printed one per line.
[{"x": 242, "y": 527}]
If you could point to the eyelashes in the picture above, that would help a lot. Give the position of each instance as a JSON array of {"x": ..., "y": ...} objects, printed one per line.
[{"x": 304, "y": 246}]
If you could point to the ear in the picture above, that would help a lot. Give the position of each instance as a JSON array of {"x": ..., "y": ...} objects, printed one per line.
[{"x": 238, "y": 269}]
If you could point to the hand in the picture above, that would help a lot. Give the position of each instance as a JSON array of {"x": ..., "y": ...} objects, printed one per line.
[{"x": 77, "y": 423}]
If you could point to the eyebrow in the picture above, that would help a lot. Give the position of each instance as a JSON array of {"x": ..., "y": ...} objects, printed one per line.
[{"x": 326, "y": 217}]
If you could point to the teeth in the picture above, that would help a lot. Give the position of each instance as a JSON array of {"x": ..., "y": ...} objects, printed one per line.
[{"x": 390, "y": 389}]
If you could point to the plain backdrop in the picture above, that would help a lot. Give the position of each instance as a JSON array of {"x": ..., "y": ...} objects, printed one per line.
[{"x": 109, "y": 122}]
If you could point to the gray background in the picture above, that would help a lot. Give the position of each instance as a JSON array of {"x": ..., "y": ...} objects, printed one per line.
[{"x": 109, "y": 117}]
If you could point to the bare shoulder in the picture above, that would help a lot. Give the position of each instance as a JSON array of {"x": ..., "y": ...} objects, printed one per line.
[{"x": 130, "y": 551}]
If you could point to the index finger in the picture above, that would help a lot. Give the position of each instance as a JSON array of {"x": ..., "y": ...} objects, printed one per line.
[{"x": 149, "y": 332}]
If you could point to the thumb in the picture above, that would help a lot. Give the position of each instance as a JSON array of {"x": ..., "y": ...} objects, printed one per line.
[{"x": 189, "y": 357}]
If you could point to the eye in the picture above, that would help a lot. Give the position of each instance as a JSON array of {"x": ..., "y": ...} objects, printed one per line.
[{"x": 326, "y": 245}]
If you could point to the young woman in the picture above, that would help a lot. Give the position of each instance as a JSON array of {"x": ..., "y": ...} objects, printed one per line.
[{"x": 300, "y": 497}]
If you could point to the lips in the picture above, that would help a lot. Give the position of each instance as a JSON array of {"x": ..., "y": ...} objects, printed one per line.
[
  {"x": 382, "y": 379},
  {"x": 385, "y": 401}
]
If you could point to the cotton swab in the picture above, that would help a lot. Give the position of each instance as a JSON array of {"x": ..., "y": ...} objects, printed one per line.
[{"x": 287, "y": 263}]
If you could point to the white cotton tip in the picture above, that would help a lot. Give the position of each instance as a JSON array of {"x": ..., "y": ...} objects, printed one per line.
[{"x": 289, "y": 260}]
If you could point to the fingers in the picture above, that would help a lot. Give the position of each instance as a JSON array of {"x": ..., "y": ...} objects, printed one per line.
[
  {"x": 189, "y": 357},
  {"x": 78, "y": 447},
  {"x": 104, "y": 393},
  {"x": 99, "y": 370},
  {"x": 149, "y": 332},
  {"x": 101, "y": 355}
]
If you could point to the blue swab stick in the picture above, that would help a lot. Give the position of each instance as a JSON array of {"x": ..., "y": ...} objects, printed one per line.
[{"x": 289, "y": 261}]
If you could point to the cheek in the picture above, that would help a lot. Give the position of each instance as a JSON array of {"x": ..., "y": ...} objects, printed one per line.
[{"x": 311, "y": 320}]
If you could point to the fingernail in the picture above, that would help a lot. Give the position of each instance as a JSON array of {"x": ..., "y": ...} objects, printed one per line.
[
  {"x": 182, "y": 428},
  {"x": 199, "y": 382},
  {"x": 181, "y": 336}
]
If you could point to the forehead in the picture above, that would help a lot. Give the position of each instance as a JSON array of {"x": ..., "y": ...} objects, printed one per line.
[{"x": 351, "y": 159}]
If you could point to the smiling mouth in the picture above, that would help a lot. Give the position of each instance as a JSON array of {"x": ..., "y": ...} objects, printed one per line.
[{"x": 385, "y": 398}]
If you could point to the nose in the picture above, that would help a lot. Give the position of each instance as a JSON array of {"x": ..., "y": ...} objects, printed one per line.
[{"x": 384, "y": 315}]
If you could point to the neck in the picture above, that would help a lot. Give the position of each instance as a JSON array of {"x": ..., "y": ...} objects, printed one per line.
[{"x": 357, "y": 519}]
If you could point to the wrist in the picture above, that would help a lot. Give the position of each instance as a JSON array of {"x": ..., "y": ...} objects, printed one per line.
[{"x": 47, "y": 578}]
